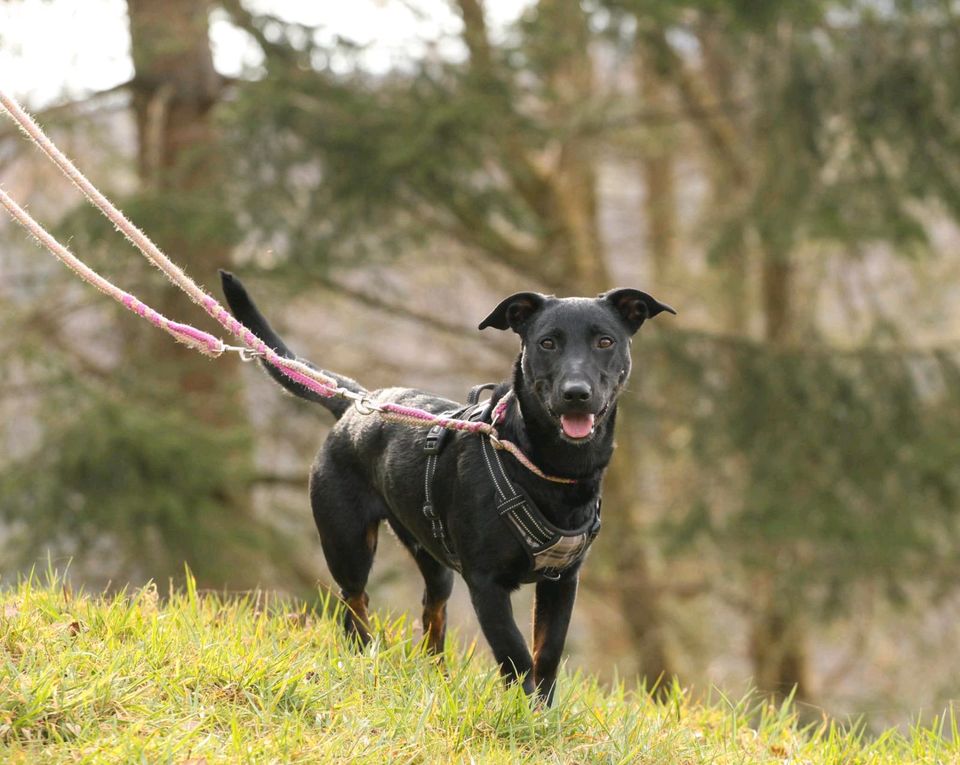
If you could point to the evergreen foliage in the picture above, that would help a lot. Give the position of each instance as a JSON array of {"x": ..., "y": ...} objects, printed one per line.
[
  {"x": 833, "y": 467},
  {"x": 827, "y": 125},
  {"x": 841, "y": 450},
  {"x": 99, "y": 484}
]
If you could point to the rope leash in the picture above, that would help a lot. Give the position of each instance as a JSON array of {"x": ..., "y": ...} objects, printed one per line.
[
  {"x": 191, "y": 336},
  {"x": 295, "y": 370},
  {"x": 304, "y": 374}
]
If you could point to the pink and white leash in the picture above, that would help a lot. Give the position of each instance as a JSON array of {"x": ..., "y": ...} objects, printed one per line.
[
  {"x": 191, "y": 336},
  {"x": 208, "y": 344},
  {"x": 296, "y": 370}
]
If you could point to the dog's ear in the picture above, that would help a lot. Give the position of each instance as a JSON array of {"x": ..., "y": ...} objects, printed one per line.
[
  {"x": 515, "y": 311},
  {"x": 634, "y": 306}
]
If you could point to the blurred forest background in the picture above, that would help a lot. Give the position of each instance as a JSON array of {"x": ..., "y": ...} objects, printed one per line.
[{"x": 784, "y": 505}]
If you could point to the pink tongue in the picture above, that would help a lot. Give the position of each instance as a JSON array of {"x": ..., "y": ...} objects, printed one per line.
[{"x": 577, "y": 425}]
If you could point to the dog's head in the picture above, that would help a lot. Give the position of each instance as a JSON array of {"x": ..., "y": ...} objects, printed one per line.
[{"x": 575, "y": 351}]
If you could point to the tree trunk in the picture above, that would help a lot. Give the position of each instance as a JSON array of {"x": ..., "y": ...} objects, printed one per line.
[
  {"x": 573, "y": 241},
  {"x": 730, "y": 170},
  {"x": 656, "y": 169},
  {"x": 175, "y": 88},
  {"x": 574, "y": 187},
  {"x": 624, "y": 543},
  {"x": 776, "y": 280},
  {"x": 777, "y": 645}
]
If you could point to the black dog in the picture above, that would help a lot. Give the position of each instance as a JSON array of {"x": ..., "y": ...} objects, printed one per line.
[{"x": 464, "y": 507}]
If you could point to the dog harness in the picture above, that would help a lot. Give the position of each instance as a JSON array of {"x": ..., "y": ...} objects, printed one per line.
[{"x": 550, "y": 550}]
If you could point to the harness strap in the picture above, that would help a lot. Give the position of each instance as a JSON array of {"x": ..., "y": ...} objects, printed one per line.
[
  {"x": 437, "y": 526},
  {"x": 432, "y": 447},
  {"x": 473, "y": 397},
  {"x": 513, "y": 505},
  {"x": 551, "y": 551}
]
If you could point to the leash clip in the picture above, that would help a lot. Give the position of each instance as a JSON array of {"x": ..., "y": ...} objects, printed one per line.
[
  {"x": 365, "y": 406},
  {"x": 245, "y": 354}
]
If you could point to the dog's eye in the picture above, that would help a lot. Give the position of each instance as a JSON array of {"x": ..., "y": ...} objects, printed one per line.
[
  {"x": 548, "y": 344},
  {"x": 605, "y": 342}
]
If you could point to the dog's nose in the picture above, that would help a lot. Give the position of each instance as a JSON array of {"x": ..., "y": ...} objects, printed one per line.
[{"x": 576, "y": 390}]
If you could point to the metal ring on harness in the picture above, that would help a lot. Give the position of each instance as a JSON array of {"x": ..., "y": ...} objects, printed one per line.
[{"x": 365, "y": 406}]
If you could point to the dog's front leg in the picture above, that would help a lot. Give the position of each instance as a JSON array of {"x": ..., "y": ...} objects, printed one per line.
[
  {"x": 491, "y": 601},
  {"x": 551, "y": 618}
]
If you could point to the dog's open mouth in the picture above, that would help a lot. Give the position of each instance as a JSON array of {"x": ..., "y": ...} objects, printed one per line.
[{"x": 578, "y": 425}]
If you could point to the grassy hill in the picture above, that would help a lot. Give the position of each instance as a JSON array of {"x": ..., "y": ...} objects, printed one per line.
[{"x": 195, "y": 678}]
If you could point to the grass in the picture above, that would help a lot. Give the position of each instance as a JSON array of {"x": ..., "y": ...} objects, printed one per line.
[{"x": 195, "y": 678}]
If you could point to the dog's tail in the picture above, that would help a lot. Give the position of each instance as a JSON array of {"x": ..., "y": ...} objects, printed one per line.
[{"x": 246, "y": 312}]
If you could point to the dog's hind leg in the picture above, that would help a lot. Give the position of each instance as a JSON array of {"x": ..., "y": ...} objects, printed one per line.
[
  {"x": 353, "y": 584},
  {"x": 349, "y": 563},
  {"x": 349, "y": 526},
  {"x": 438, "y": 584}
]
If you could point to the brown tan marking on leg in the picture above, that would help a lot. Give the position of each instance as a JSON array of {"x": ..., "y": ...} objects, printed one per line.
[
  {"x": 435, "y": 626},
  {"x": 356, "y": 618},
  {"x": 370, "y": 536}
]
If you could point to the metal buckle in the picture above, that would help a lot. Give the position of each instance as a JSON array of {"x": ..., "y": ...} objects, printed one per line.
[{"x": 432, "y": 442}]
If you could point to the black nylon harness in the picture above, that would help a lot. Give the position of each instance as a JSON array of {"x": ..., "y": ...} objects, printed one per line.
[{"x": 550, "y": 550}]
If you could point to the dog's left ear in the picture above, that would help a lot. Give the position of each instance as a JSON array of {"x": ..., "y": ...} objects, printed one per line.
[
  {"x": 514, "y": 312},
  {"x": 634, "y": 306}
]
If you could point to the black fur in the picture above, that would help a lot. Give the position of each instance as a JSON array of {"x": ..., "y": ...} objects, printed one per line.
[
  {"x": 242, "y": 305},
  {"x": 575, "y": 359}
]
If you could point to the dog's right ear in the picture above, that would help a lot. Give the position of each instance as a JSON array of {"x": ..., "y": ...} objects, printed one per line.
[{"x": 515, "y": 311}]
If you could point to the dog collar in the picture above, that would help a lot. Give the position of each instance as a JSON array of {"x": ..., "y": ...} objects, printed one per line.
[{"x": 499, "y": 414}]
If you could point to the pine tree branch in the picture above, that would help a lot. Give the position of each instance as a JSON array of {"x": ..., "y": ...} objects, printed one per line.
[
  {"x": 718, "y": 131},
  {"x": 291, "y": 481},
  {"x": 530, "y": 181},
  {"x": 374, "y": 301},
  {"x": 246, "y": 21}
]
